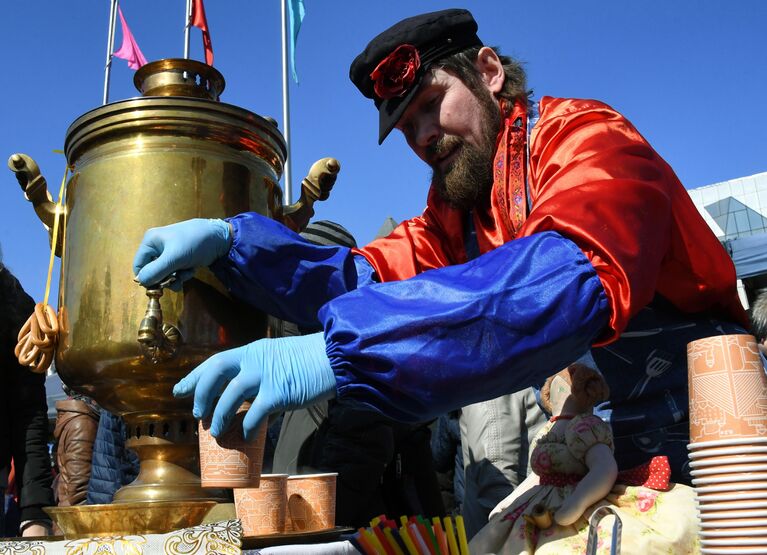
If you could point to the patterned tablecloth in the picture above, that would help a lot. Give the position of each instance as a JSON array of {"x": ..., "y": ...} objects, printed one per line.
[{"x": 219, "y": 538}]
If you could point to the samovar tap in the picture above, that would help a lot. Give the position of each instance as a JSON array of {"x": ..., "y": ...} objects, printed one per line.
[{"x": 159, "y": 341}]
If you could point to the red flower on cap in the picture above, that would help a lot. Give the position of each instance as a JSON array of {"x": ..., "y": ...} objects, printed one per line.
[{"x": 396, "y": 72}]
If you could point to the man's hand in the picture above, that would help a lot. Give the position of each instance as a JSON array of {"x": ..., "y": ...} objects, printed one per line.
[
  {"x": 277, "y": 374},
  {"x": 180, "y": 248}
]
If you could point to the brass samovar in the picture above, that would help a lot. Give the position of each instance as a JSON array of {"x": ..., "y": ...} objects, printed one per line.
[{"x": 174, "y": 153}]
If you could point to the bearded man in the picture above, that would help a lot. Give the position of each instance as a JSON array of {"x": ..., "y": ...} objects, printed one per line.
[{"x": 552, "y": 230}]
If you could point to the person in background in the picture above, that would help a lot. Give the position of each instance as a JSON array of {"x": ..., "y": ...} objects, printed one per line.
[
  {"x": 23, "y": 415},
  {"x": 758, "y": 317},
  {"x": 77, "y": 420},
  {"x": 448, "y": 460},
  {"x": 495, "y": 439}
]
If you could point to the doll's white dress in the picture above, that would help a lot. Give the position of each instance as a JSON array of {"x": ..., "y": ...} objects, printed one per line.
[{"x": 654, "y": 521}]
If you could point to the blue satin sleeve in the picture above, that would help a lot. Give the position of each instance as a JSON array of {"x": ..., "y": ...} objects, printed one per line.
[
  {"x": 278, "y": 271},
  {"x": 452, "y": 336}
]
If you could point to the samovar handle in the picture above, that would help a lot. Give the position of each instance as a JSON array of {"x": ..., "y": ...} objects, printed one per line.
[
  {"x": 315, "y": 186},
  {"x": 36, "y": 191},
  {"x": 159, "y": 341}
]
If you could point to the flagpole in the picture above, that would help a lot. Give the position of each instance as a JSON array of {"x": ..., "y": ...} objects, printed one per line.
[
  {"x": 110, "y": 47},
  {"x": 187, "y": 26},
  {"x": 286, "y": 102}
]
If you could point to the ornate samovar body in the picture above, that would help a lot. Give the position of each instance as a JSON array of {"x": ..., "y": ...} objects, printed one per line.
[{"x": 173, "y": 154}]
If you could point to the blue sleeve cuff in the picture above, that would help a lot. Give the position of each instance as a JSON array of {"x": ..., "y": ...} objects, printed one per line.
[{"x": 278, "y": 271}]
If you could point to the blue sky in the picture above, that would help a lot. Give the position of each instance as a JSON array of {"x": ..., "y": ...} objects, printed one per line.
[{"x": 691, "y": 75}]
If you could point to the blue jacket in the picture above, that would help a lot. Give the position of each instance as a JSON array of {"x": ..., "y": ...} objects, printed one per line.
[{"x": 113, "y": 464}]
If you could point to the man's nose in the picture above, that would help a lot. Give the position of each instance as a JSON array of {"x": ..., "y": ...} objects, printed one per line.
[{"x": 427, "y": 134}]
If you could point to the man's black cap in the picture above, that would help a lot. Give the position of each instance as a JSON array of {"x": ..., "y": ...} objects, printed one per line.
[{"x": 391, "y": 68}]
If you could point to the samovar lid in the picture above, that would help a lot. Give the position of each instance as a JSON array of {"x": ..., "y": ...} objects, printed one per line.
[{"x": 179, "y": 77}]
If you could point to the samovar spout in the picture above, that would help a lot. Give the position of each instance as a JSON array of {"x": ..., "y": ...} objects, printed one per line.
[
  {"x": 159, "y": 341},
  {"x": 36, "y": 191}
]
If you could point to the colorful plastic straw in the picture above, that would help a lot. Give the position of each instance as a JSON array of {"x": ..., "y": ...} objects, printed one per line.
[
  {"x": 404, "y": 533},
  {"x": 440, "y": 534},
  {"x": 390, "y": 538},
  {"x": 451, "y": 540},
  {"x": 462, "y": 542}
]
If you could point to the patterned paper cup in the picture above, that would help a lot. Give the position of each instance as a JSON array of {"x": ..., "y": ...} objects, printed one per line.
[
  {"x": 230, "y": 461},
  {"x": 311, "y": 502},
  {"x": 262, "y": 510},
  {"x": 728, "y": 388}
]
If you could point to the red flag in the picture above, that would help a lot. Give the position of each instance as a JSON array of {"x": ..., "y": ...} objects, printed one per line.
[
  {"x": 129, "y": 49},
  {"x": 201, "y": 22}
]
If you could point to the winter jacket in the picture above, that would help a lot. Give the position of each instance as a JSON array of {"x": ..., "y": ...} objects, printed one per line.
[
  {"x": 113, "y": 465},
  {"x": 76, "y": 424}
]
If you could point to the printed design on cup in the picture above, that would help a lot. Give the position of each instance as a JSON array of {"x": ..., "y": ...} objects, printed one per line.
[
  {"x": 311, "y": 502},
  {"x": 262, "y": 510},
  {"x": 230, "y": 461},
  {"x": 728, "y": 388}
]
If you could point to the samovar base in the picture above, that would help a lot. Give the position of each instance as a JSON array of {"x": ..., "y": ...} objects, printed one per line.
[
  {"x": 123, "y": 519},
  {"x": 168, "y": 451},
  {"x": 163, "y": 481}
]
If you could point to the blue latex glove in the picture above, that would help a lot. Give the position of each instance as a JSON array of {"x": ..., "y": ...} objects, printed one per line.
[
  {"x": 180, "y": 248},
  {"x": 278, "y": 374}
]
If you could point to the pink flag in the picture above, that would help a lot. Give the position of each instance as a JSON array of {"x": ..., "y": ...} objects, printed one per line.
[{"x": 129, "y": 50}]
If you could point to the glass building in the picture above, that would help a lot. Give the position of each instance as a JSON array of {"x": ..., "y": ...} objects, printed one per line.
[{"x": 736, "y": 211}]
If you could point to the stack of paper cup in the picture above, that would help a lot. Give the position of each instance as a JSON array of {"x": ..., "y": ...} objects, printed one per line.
[{"x": 728, "y": 443}]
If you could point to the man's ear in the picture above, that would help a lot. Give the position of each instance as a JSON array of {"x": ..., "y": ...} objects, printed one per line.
[{"x": 490, "y": 68}]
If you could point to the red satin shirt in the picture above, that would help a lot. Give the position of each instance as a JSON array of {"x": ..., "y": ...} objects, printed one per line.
[{"x": 595, "y": 180}]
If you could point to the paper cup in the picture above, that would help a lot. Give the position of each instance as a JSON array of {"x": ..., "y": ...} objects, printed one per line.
[
  {"x": 733, "y": 506},
  {"x": 724, "y": 469},
  {"x": 732, "y": 496},
  {"x": 734, "y": 532},
  {"x": 730, "y": 523},
  {"x": 724, "y": 515},
  {"x": 732, "y": 477},
  {"x": 733, "y": 551},
  {"x": 737, "y": 541},
  {"x": 230, "y": 461},
  {"x": 312, "y": 502},
  {"x": 726, "y": 443},
  {"x": 262, "y": 510},
  {"x": 732, "y": 487},
  {"x": 708, "y": 462},
  {"x": 729, "y": 451},
  {"x": 728, "y": 388}
]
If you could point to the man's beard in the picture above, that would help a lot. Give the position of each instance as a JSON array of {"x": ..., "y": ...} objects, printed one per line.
[{"x": 469, "y": 178}]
